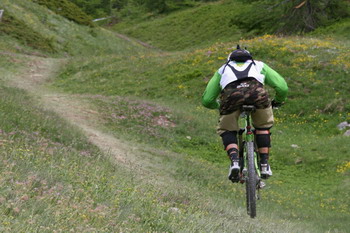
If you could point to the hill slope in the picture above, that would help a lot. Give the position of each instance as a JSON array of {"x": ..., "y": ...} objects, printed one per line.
[
  {"x": 57, "y": 188},
  {"x": 190, "y": 28},
  {"x": 131, "y": 149},
  {"x": 31, "y": 28},
  {"x": 231, "y": 20}
]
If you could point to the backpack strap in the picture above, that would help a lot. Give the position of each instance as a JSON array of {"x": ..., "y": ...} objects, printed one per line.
[{"x": 241, "y": 74}]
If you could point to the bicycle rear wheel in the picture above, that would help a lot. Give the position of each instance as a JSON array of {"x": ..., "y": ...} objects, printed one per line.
[{"x": 251, "y": 181}]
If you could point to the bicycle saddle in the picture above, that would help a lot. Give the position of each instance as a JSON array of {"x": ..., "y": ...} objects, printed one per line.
[{"x": 248, "y": 108}]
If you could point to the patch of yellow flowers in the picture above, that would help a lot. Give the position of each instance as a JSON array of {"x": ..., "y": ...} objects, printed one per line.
[{"x": 343, "y": 168}]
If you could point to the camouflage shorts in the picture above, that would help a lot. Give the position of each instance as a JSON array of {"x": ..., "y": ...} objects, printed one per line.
[{"x": 250, "y": 92}]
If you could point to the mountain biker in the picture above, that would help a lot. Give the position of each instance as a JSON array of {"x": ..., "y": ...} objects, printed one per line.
[{"x": 241, "y": 81}]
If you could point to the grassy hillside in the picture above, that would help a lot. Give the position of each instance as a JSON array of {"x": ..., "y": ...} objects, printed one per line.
[
  {"x": 231, "y": 20},
  {"x": 307, "y": 146},
  {"x": 53, "y": 179},
  {"x": 68, "y": 10},
  {"x": 33, "y": 29},
  {"x": 306, "y": 63},
  {"x": 200, "y": 26},
  {"x": 339, "y": 30}
]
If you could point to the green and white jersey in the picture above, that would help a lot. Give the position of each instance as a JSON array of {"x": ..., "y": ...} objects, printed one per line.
[{"x": 225, "y": 75}]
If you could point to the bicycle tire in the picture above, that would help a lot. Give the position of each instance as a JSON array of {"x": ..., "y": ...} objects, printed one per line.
[{"x": 251, "y": 181}]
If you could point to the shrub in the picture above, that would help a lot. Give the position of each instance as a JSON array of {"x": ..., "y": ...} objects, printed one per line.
[
  {"x": 289, "y": 17},
  {"x": 68, "y": 10},
  {"x": 96, "y": 8},
  {"x": 24, "y": 34}
]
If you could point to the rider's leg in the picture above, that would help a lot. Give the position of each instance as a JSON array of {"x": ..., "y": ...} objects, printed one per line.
[
  {"x": 263, "y": 121},
  {"x": 229, "y": 139},
  {"x": 263, "y": 141},
  {"x": 227, "y": 129}
]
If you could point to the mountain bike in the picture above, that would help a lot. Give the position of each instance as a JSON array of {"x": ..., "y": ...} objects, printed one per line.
[{"x": 248, "y": 154}]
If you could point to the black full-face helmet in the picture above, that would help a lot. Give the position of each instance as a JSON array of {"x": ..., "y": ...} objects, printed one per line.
[{"x": 240, "y": 55}]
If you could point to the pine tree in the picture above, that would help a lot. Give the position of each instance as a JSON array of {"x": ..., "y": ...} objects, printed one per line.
[{"x": 306, "y": 15}]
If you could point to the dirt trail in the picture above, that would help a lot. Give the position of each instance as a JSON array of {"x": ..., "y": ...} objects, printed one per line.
[
  {"x": 72, "y": 108},
  {"x": 144, "y": 44},
  {"x": 77, "y": 110}
]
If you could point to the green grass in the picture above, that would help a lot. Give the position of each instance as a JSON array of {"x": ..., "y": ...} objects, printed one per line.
[
  {"x": 306, "y": 63},
  {"x": 227, "y": 20},
  {"x": 53, "y": 179},
  {"x": 339, "y": 29},
  {"x": 20, "y": 31},
  {"x": 195, "y": 27},
  {"x": 316, "y": 160},
  {"x": 62, "y": 36},
  {"x": 169, "y": 115}
]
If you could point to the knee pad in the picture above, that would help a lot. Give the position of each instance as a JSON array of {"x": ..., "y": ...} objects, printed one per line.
[
  {"x": 229, "y": 137},
  {"x": 263, "y": 140}
]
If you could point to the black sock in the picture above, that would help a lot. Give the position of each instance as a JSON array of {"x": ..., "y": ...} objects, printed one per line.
[
  {"x": 233, "y": 154},
  {"x": 264, "y": 158}
]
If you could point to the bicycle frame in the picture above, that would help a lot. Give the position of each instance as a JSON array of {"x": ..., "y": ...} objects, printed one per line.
[{"x": 246, "y": 135}]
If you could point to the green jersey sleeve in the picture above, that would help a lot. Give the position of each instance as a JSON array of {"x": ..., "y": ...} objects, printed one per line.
[
  {"x": 211, "y": 93},
  {"x": 277, "y": 82}
]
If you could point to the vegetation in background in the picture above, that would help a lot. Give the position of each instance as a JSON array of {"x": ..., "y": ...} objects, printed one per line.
[
  {"x": 45, "y": 29},
  {"x": 96, "y": 8},
  {"x": 187, "y": 31},
  {"x": 306, "y": 63},
  {"x": 68, "y": 10},
  {"x": 304, "y": 15},
  {"x": 339, "y": 29},
  {"x": 129, "y": 8},
  {"x": 18, "y": 29},
  {"x": 290, "y": 17},
  {"x": 232, "y": 20},
  {"x": 255, "y": 17}
]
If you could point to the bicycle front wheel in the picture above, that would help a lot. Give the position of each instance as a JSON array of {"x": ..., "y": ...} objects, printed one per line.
[{"x": 251, "y": 181}]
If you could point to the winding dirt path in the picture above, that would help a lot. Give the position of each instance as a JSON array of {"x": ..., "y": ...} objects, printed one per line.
[
  {"x": 78, "y": 112},
  {"x": 74, "y": 109}
]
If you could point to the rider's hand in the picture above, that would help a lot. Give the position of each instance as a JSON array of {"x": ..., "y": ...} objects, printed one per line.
[{"x": 276, "y": 104}]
